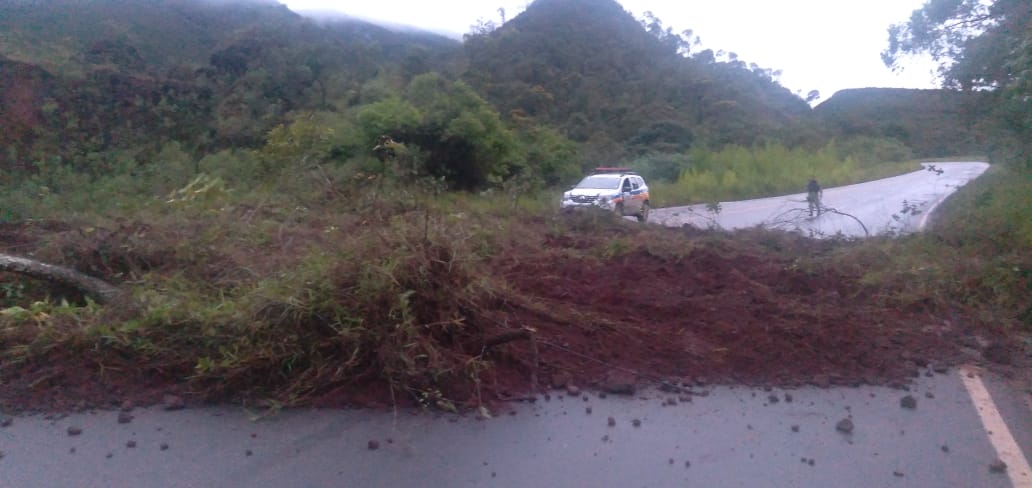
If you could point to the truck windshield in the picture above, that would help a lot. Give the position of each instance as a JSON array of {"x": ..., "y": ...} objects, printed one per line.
[{"x": 602, "y": 182}]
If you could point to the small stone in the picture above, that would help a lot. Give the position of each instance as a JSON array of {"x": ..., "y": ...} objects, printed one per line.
[
  {"x": 908, "y": 402},
  {"x": 670, "y": 461},
  {"x": 811, "y": 462},
  {"x": 940, "y": 368},
  {"x": 6, "y": 421},
  {"x": 587, "y": 410},
  {"x": 130, "y": 444},
  {"x": 124, "y": 417},
  {"x": 110, "y": 455},
  {"x": 611, "y": 421},
  {"x": 248, "y": 452},
  {"x": 605, "y": 438},
  {"x": 788, "y": 398},
  {"x": 773, "y": 399},
  {"x": 173, "y": 402},
  {"x": 163, "y": 446},
  {"x": 73, "y": 431},
  {"x": 845, "y": 426},
  {"x": 997, "y": 466},
  {"x": 373, "y": 445},
  {"x": 619, "y": 383},
  {"x": 687, "y": 464},
  {"x": 945, "y": 448},
  {"x": 929, "y": 394},
  {"x": 897, "y": 474},
  {"x": 795, "y": 428},
  {"x": 127, "y": 406},
  {"x": 572, "y": 390},
  {"x": 636, "y": 423},
  {"x": 71, "y": 451}
]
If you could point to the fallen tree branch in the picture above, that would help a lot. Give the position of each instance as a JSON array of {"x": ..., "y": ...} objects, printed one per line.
[
  {"x": 862, "y": 226},
  {"x": 524, "y": 334},
  {"x": 99, "y": 290}
]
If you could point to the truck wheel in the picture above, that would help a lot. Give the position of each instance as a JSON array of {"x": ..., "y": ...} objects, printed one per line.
[{"x": 619, "y": 209}]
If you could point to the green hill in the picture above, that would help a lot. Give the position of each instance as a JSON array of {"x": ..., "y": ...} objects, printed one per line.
[
  {"x": 589, "y": 67},
  {"x": 933, "y": 123},
  {"x": 93, "y": 84}
]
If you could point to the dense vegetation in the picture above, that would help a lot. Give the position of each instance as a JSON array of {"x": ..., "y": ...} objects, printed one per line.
[{"x": 231, "y": 173}]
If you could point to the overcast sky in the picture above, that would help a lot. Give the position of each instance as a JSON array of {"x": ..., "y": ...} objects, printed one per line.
[{"x": 824, "y": 45}]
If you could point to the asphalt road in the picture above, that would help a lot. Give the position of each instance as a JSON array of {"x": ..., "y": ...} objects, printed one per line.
[
  {"x": 900, "y": 204},
  {"x": 725, "y": 436}
]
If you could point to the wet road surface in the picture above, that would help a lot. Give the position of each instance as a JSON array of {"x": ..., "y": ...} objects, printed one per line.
[
  {"x": 723, "y": 436},
  {"x": 900, "y": 204}
]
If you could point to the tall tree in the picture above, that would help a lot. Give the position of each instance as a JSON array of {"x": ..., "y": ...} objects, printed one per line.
[{"x": 980, "y": 45}]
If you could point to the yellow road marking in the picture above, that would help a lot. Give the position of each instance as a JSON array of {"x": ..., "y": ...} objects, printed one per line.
[{"x": 999, "y": 435}]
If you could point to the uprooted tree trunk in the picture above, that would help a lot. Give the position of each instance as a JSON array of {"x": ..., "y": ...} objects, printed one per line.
[{"x": 99, "y": 290}]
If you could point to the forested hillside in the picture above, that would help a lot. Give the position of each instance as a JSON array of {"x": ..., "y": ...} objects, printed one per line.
[
  {"x": 933, "y": 123},
  {"x": 105, "y": 86},
  {"x": 92, "y": 85},
  {"x": 623, "y": 88}
]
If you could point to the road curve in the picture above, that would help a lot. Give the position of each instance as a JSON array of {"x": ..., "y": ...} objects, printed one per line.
[{"x": 896, "y": 205}]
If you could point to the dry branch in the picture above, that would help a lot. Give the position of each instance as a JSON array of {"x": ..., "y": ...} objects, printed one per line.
[{"x": 99, "y": 290}]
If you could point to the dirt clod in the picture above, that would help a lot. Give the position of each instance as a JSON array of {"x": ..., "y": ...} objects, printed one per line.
[
  {"x": 788, "y": 398},
  {"x": 124, "y": 417},
  {"x": 929, "y": 395},
  {"x": 74, "y": 431},
  {"x": 6, "y": 421},
  {"x": 945, "y": 448},
  {"x": 773, "y": 399},
  {"x": 619, "y": 383},
  {"x": 130, "y": 444},
  {"x": 248, "y": 452},
  {"x": 173, "y": 402},
  {"x": 898, "y": 474},
  {"x": 997, "y": 466},
  {"x": 908, "y": 402},
  {"x": 611, "y": 421},
  {"x": 636, "y": 423},
  {"x": 572, "y": 390},
  {"x": 163, "y": 446},
  {"x": 795, "y": 428},
  {"x": 845, "y": 426},
  {"x": 587, "y": 410},
  {"x": 109, "y": 455}
]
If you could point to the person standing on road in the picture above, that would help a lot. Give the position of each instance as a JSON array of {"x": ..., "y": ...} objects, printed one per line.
[{"x": 813, "y": 196}]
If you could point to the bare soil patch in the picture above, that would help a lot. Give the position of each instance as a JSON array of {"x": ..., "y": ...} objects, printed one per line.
[{"x": 606, "y": 305}]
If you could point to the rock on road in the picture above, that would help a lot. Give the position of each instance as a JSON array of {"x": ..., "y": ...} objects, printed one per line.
[{"x": 900, "y": 204}]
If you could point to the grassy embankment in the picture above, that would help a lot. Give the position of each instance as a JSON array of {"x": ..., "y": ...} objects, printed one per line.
[{"x": 287, "y": 287}]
